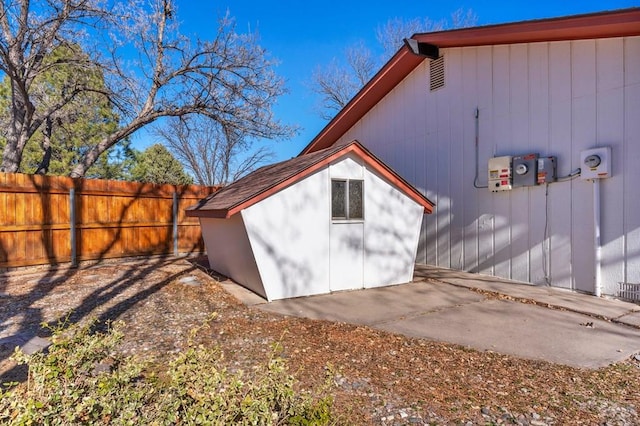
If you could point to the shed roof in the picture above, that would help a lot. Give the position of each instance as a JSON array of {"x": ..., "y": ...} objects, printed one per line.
[
  {"x": 617, "y": 23},
  {"x": 268, "y": 180}
]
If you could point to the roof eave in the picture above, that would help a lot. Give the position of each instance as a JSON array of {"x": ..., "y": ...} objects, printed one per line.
[
  {"x": 324, "y": 161},
  {"x": 618, "y": 23},
  {"x": 625, "y": 22},
  {"x": 392, "y": 73},
  {"x": 216, "y": 214}
]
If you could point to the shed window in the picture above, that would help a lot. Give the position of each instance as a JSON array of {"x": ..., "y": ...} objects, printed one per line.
[{"x": 347, "y": 199}]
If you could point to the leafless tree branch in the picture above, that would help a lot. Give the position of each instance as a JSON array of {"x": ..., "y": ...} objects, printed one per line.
[
  {"x": 214, "y": 155},
  {"x": 228, "y": 79},
  {"x": 337, "y": 82}
]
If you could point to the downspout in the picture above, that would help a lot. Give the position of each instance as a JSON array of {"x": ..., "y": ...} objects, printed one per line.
[{"x": 596, "y": 237}]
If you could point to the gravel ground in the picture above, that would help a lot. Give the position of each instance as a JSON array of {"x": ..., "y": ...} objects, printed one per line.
[{"x": 379, "y": 378}]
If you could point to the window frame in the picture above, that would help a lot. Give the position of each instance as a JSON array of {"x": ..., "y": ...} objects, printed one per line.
[{"x": 347, "y": 201}]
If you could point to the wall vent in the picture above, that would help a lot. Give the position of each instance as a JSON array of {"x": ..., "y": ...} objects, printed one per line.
[
  {"x": 629, "y": 291},
  {"x": 436, "y": 73}
]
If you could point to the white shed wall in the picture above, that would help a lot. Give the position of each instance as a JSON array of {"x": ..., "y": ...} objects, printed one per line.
[
  {"x": 289, "y": 236},
  {"x": 391, "y": 231},
  {"x": 300, "y": 251},
  {"x": 555, "y": 98},
  {"x": 229, "y": 251}
]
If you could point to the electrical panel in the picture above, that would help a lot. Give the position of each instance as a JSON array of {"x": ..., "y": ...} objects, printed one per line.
[
  {"x": 524, "y": 170},
  {"x": 595, "y": 163},
  {"x": 546, "y": 170},
  {"x": 500, "y": 174}
]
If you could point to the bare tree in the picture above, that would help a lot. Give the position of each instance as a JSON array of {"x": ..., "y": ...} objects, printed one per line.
[
  {"x": 213, "y": 153},
  {"x": 463, "y": 18},
  {"x": 339, "y": 81},
  {"x": 228, "y": 79},
  {"x": 27, "y": 39},
  {"x": 336, "y": 84},
  {"x": 391, "y": 34}
]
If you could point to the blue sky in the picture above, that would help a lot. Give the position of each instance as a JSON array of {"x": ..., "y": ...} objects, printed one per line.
[{"x": 305, "y": 35}]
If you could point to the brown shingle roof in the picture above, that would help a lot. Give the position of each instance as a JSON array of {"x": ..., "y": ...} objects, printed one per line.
[{"x": 268, "y": 180}]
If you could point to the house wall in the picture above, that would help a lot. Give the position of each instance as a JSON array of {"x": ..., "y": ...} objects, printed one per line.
[
  {"x": 555, "y": 98},
  {"x": 229, "y": 251}
]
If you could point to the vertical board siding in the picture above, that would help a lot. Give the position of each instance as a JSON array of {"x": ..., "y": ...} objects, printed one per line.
[
  {"x": 518, "y": 69},
  {"x": 469, "y": 103},
  {"x": 539, "y": 130},
  {"x": 552, "y": 98},
  {"x": 583, "y": 136},
  {"x": 114, "y": 219},
  {"x": 502, "y": 145},
  {"x": 559, "y": 200},
  {"x": 431, "y": 182},
  {"x": 610, "y": 131},
  {"x": 630, "y": 169},
  {"x": 456, "y": 152},
  {"x": 486, "y": 216}
]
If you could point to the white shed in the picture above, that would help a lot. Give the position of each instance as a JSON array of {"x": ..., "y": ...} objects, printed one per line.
[
  {"x": 336, "y": 219},
  {"x": 522, "y": 94}
]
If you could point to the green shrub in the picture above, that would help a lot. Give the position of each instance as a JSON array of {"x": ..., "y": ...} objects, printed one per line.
[{"x": 81, "y": 379}]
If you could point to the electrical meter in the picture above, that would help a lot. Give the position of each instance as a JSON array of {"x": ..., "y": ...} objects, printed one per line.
[
  {"x": 525, "y": 170},
  {"x": 499, "y": 174},
  {"x": 595, "y": 163}
]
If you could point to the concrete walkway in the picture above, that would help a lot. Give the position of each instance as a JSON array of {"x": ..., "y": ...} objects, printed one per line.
[{"x": 482, "y": 312}]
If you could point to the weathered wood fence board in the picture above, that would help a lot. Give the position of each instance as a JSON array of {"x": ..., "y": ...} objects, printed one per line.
[{"x": 112, "y": 219}]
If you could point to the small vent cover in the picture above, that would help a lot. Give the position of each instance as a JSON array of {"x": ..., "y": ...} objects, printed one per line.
[
  {"x": 629, "y": 291},
  {"x": 436, "y": 72}
]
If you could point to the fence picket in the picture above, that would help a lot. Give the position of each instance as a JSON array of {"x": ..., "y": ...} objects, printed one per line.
[{"x": 39, "y": 214}]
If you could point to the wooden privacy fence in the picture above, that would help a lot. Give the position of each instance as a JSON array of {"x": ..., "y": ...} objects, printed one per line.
[{"x": 53, "y": 219}]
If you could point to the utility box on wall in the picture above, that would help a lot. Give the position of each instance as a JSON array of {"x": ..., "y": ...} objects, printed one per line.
[
  {"x": 525, "y": 170},
  {"x": 500, "y": 174},
  {"x": 595, "y": 163},
  {"x": 546, "y": 170}
]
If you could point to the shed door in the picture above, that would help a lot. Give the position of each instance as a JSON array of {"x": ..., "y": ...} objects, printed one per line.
[
  {"x": 346, "y": 247},
  {"x": 347, "y": 256}
]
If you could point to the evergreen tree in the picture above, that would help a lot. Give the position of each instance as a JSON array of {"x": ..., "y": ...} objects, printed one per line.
[
  {"x": 157, "y": 165},
  {"x": 69, "y": 132}
]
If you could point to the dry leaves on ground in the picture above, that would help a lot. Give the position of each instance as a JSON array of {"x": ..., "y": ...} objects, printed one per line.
[{"x": 380, "y": 378}]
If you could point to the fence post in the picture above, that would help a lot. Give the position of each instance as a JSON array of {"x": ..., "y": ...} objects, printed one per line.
[
  {"x": 175, "y": 223},
  {"x": 72, "y": 227}
]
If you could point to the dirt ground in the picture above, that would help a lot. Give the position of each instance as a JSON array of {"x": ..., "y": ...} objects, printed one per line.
[{"x": 380, "y": 378}]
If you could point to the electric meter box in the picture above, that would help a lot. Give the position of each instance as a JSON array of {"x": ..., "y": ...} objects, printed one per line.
[
  {"x": 595, "y": 163},
  {"x": 525, "y": 170},
  {"x": 499, "y": 174},
  {"x": 547, "y": 170}
]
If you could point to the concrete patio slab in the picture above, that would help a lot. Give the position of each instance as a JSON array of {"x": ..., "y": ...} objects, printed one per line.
[
  {"x": 556, "y": 297},
  {"x": 533, "y": 322},
  {"x": 526, "y": 331},
  {"x": 377, "y": 305}
]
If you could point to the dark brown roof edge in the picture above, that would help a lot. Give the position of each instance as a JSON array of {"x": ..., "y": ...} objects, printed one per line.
[
  {"x": 617, "y": 23},
  {"x": 200, "y": 210},
  {"x": 282, "y": 180}
]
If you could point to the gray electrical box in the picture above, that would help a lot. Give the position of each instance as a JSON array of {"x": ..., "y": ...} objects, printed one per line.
[
  {"x": 524, "y": 170},
  {"x": 546, "y": 170}
]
